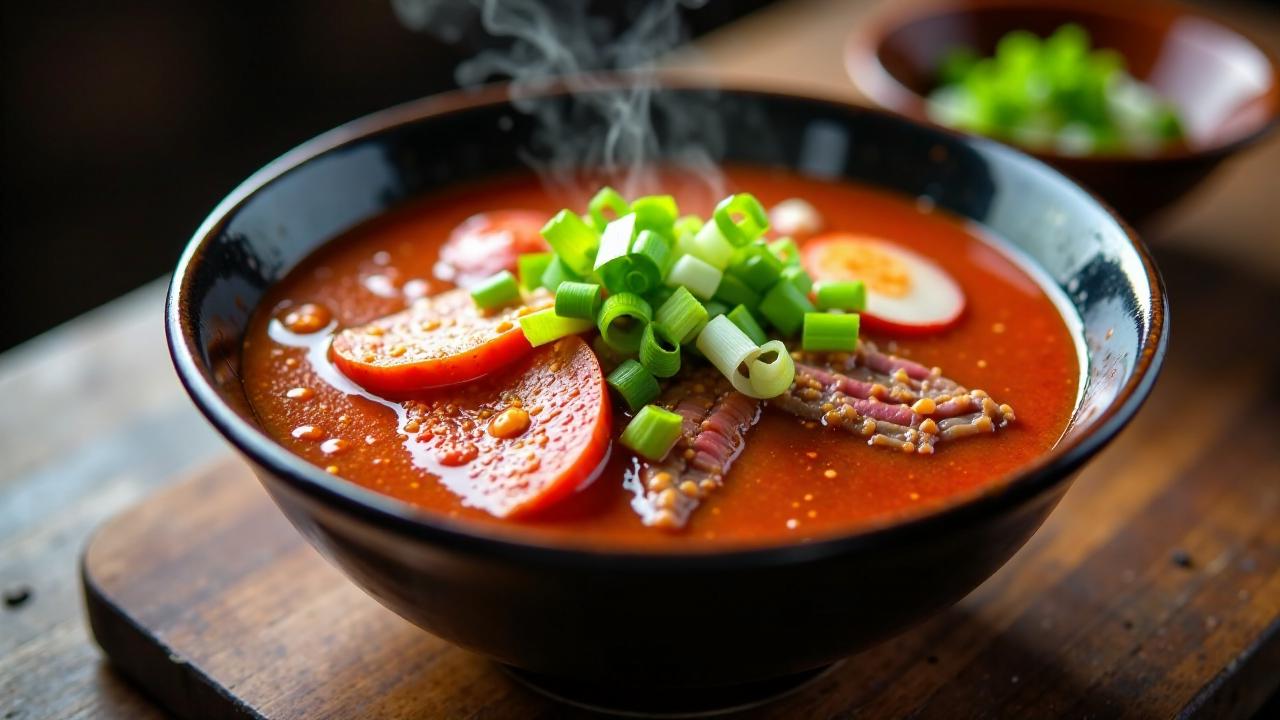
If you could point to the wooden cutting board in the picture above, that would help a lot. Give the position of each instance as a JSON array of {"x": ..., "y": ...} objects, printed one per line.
[{"x": 1151, "y": 593}]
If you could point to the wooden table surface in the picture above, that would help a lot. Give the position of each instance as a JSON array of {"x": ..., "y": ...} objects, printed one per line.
[{"x": 92, "y": 418}]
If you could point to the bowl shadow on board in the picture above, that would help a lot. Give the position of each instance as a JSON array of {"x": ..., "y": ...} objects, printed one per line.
[
  {"x": 1225, "y": 86},
  {"x": 607, "y": 617}
]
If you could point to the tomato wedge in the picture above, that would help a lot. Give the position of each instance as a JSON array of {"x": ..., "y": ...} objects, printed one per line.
[
  {"x": 489, "y": 242},
  {"x": 907, "y": 293},
  {"x": 441, "y": 340},
  {"x": 517, "y": 444}
]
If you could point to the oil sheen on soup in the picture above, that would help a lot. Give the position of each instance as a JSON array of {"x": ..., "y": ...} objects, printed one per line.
[{"x": 794, "y": 476}]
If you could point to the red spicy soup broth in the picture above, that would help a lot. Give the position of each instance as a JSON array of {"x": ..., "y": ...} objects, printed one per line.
[{"x": 792, "y": 482}]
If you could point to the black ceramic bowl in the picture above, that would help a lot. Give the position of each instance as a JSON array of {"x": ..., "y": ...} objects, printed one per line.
[{"x": 660, "y": 620}]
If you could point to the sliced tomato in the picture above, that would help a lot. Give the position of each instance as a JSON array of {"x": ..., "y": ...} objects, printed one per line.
[
  {"x": 907, "y": 293},
  {"x": 519, "y": 443},
  {"x": 489, "y": 242},
  {"x": 441, "y": 340}
]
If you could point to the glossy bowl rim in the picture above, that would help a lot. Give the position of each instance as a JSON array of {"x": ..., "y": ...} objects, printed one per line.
[
  {"x": 400, "y": 518},
  {"x": 880, "y": 87}
]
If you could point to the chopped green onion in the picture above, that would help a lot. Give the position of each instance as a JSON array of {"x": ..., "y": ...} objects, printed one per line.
[
  {"x": 635, "y": 385},
  {"x": 691, "y": 272},
  {"x": 578, "y": 300},
  {"x": 733, "y": 291},
  {"x": 797, "y": 276},
  {"x": 827, "y": 332},
  {"x": 753, "y": 223},
  {"x": 746, "y": 322},
  {"x": 841, "y": 295},
  {"x": 615, "y": 241},
  {"x": 659, "y": 295},
  {"x": 652, "y": 432},
  {"x": 543, "y": 326},
  {"x": 757, "y": 267},
  {"x": 770, "y": 373},
  {"x": 726, "y": 346},
  {"x": 606, "y": 199},
  {"x": 707, "y": 245},
  {"x": 496, "y": 290},
  {"x": 785, "y": 306},
  {"x": 785, "y": 250},
  {"x": 556, "y": 273},
  {"x": 608, "y": 356},
  {"x": 622, "y": 319},
  {"x": 650, "y": 257},
  {"x": 573, "y": 240},
  {"x": 531, "y": 266},
  {"x": 659, "y": 353},
  {"x": 715, "y": 308},
  {"x": 681, "y": 316},
  {"x": 687, "y": 225},
  {"x": 655, "y": 212}
]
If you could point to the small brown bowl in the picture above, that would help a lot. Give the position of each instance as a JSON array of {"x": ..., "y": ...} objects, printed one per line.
[{"x": 1224, "y": 84}]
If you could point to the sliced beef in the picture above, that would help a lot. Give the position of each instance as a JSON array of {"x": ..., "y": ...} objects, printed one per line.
[
  {"x": 716, "y": 421},
  {"x": 891, "y": 401}
]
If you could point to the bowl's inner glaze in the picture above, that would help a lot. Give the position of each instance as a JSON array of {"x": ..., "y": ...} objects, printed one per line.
[
  {"x": 1075, "y": 242},
  {"x": 1223, "y": 85}
]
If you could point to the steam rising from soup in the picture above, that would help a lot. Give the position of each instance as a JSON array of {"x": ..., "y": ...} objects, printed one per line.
[{"x": 620, "y": 129}]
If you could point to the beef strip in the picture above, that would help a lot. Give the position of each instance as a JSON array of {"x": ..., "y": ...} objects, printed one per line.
[
  {"x": 891, "y": 401},
  {"x": 716, "y": 421}
]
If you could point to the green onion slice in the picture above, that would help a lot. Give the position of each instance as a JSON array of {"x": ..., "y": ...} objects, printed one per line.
[
  {"x": 681, "y": 316},
  {"x": 496, "y": 290},
  {"x": 707, "y": 245},
  {"x": 848, "y": 295},
  {"x": 556, "y": 273},
  {"x": 652, "y": 432},
  {"x": 650, "y": 257},
  {"x": 659, "y": 354},
  {"x": 530, "y": 267},
  {"x": 828, "y": 332},
  {"x": 701, "y": 278},
  {"x": 615, "y": 241},
  {"x": 741, "y": 218},
  {"x": 726, "y": 346},
  {"x": 687, "y": 225},
  {"x": 578, "y": 300},
  {"x": 746, "y": 322},
  {"x": 635, "y": 385},
  {"x": 573, "y": 240},
  {"x": 655, "y": 212},
  {"x": 786, "y": 251},
  {"x": 785, "y": 306},
  {"x": 770, "y": 372},
  {"x": 612, "y": 265},
  {"x": 757, "y": 267},
  {"x": 622, "y": 319},
  {"x": 544, "y": 326},
  {"x": 797, "y": 276},
  {"x": 606, "y": 199},
  {"x": 733, "y": 291}
]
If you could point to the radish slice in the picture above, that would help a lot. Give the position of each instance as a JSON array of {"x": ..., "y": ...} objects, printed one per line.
[
  {"x": 907, "y": 293},
  {"x": 795, "y": 218}
]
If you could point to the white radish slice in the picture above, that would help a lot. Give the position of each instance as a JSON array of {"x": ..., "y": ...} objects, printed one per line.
[
  {"x": 907, "y": 293},
  {"x": 795, "y": 218}
]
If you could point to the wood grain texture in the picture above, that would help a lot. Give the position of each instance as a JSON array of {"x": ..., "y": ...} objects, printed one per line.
[
  {"x": 92, "y": 420},
  {"x": 1153, "y": 590}
]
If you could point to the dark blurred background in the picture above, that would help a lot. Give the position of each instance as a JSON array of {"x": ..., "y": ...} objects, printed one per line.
[{"x": 124, "y": 123}]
